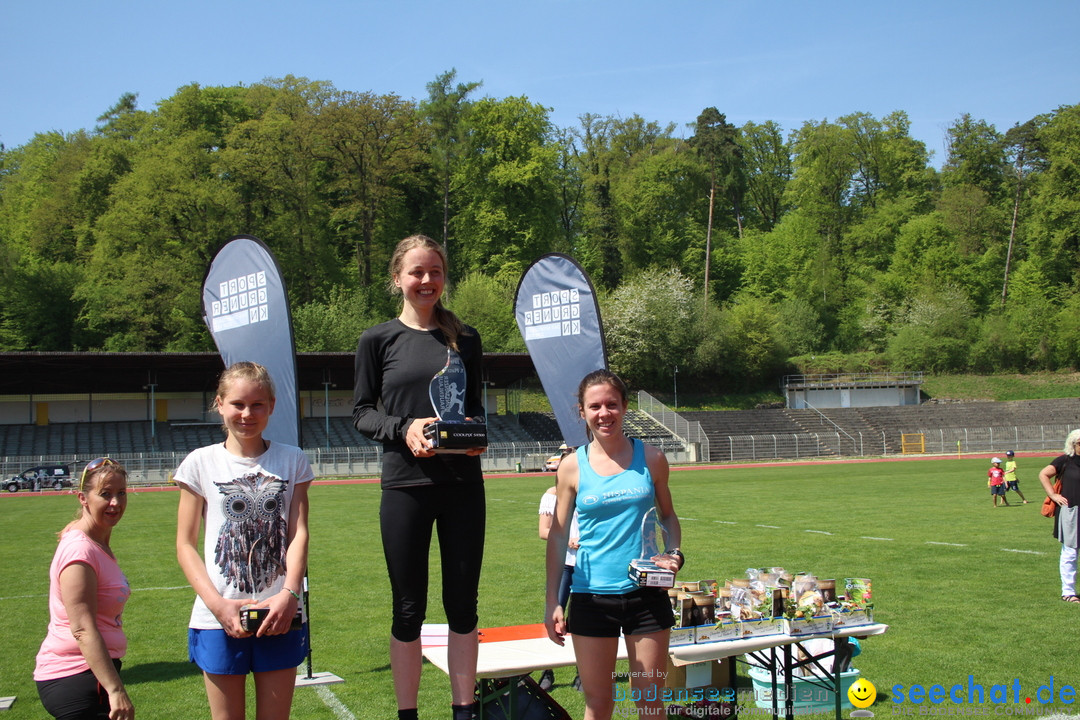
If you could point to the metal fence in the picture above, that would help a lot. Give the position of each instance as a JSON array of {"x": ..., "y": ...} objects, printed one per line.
[
  {"x": 155, "y": 468},
  {"x": 937, "y": 441}
]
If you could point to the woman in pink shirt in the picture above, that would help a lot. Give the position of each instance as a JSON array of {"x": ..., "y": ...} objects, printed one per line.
[{"x": 78, "y": 665}]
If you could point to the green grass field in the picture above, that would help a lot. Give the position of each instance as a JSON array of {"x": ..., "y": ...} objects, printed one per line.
[{"x": 967, "y": 589}]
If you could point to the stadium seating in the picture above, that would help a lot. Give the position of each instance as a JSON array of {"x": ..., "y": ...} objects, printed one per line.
[{"x": 874, "y": 424}]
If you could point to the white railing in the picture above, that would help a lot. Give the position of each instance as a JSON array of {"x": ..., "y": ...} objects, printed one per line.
[
  {"x": 690, "y": 433},
  {"x": 853, "y": 379},
  {"x": 822, "y": 418}
]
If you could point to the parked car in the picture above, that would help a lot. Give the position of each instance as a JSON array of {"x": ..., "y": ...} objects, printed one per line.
[
  {"x": 552, "y": 463},
  {"x": 41, "y": 477}
]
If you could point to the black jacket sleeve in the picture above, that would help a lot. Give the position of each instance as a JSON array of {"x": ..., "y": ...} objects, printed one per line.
[{"x": 369, "y": 416}]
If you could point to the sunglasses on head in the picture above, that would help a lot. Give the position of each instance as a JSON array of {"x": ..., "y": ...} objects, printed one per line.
[{"x": 94, "y": 465}]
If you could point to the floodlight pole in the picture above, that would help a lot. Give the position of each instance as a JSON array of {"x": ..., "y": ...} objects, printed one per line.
[
  {"x": 326, "y": 408},
  {"x": 151, "y": 385},
  {"x": 675, "y": 380}
]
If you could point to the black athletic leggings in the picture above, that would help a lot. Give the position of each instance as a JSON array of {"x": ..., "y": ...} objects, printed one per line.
[
  {"x": 406, "y": 515},
  {"x": 76, "y": 697}
]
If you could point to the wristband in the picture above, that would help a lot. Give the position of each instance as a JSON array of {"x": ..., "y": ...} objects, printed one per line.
[
  {"x": 676, "y": 552},
  {"x": 294, "y": 594}
]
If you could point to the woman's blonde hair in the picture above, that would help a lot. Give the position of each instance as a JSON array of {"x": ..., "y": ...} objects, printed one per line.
[
  {"x": 446, "y": 321},
  {"x": 1070, "y": 442},
  {"x": 243, "y": 370},
  {"x": 89, "y": 482}
]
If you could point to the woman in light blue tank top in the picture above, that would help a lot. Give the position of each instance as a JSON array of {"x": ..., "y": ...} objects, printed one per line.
[{"x": 611, "y": 482}]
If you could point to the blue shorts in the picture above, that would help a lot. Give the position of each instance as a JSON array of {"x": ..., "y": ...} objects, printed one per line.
[
  {"x": 218, "y": 654},
  {"x": 997, "y": 490},
  {"x": 1013, "y": 485}
]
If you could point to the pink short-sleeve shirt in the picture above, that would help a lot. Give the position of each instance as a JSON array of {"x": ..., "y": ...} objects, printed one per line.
[{"x": 59, "y": 655}]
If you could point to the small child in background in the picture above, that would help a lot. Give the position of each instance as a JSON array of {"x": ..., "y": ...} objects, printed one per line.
[
  {"x": 547, "y": 515},
  {"x": 1011, "y": 483},
  {"x": 996, "y": 481}
]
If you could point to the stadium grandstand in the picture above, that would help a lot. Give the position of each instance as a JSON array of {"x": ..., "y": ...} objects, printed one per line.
[{"x": 152, "y": 408}]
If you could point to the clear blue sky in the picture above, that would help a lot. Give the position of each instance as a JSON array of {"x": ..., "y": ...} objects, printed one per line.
[{"x": 64, "y": 62}]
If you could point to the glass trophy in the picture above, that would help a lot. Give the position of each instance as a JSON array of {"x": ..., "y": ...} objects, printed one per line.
[
  {"x": 643, "y": 570},
  {"x": 452, "y": 433}
]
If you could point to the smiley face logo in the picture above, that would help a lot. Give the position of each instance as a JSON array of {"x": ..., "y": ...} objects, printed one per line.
[{"x": 862, "y": 693}]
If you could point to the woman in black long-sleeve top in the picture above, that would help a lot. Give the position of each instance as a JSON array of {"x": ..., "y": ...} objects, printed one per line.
[{"x": 395, "y": 362}]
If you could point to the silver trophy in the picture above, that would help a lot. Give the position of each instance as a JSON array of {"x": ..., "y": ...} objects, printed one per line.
[
  {"x": 643, "y": 570},
  {"x": 452, "y": 433}
]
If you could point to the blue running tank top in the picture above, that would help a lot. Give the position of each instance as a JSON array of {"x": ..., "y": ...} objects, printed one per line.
[{"x": 609, "y": 510}]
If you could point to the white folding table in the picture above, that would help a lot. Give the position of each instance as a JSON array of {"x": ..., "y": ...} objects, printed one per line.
[{"x": 518, "y": 650}]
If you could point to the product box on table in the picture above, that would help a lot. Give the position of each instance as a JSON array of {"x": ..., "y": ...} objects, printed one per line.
[
  {"x": 857, "y": 605},
  {"x": 848, "y": 617},
  {"x": 682, "y": 636},
  {"x": 859, "y": 591},
  {"x": 762, "y": 626},
  {"x": 815, "y": 625},
  {"x": 725, "y": 629}
]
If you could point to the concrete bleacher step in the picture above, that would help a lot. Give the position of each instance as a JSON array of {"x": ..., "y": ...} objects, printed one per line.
[{"x": 101, "y": 438}]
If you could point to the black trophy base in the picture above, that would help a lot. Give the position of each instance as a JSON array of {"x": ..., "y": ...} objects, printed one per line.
[{"x": 456, "y": 437}]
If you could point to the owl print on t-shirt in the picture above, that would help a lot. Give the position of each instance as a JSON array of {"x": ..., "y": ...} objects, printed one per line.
[{"x": 250, "y": 549}]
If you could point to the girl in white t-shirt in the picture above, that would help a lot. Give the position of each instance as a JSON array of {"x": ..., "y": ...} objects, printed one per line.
[{"x": 253, "y": 495}]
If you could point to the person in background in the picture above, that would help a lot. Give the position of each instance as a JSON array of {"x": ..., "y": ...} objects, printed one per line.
[
  {"x": 996, "y": 481},
  {"x": 78, "y": 666},
  {"x": 395, "y": 362},
  {"x": 547, "y": 513},
  {"x": 1066, "y": 468},
  {"x": 612, "y": 482},
  {"x": 253, "y": 496},
  {"x": 1011, "y": 481}
]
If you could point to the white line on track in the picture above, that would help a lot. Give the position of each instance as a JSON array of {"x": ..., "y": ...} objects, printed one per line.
[
  {"x": 331, "y": 701},
  {"x": 1025, "y": 552},
  {"x": 931, "y": 542},
  {"x": 867, "y": 537},
  {"x": 818, "y": 532},
  {"x": 774, "y": 527},
  {"x": 726, "y": 522}
]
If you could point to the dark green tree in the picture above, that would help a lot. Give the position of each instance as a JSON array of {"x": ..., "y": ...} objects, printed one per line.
[
  {"x": 445, "y": 109},
  {"x": 976, "y": 156},
  {"x": 768, "y": 168},
  {"x": 373, "y": 147},
  {"x": 1028, "y": 156},
  {"x": 716, "y": 142},
  {"x": 1053, "y": 234},
  {"x": 507, "y": 186}
]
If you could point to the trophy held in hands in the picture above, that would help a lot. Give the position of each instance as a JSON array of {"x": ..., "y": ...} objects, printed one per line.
[
  {"x": 452, "y": 432},
  {"x": 644, "y": 570}
]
